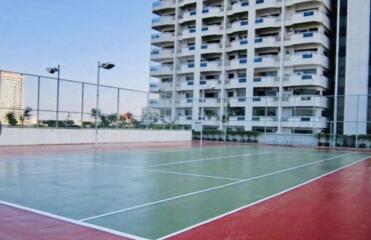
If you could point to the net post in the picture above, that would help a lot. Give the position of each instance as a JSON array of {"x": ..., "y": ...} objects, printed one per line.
[
  {"x": 82, "y": 104},
  {"x": 38, "y": 101}
]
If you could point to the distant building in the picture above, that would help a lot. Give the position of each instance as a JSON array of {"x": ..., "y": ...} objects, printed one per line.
[{"x": 11, "y": 94}]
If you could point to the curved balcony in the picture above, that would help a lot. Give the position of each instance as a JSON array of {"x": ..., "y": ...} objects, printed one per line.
[
  {"x": 267, "y": 22},
  {"x": 162, "y": 54},
  {"x": 327, "y": 3},
  {"x": 160, "y": 103},
  {"x": 308, "y": 37},
  {"x": 186, "y": 68},
  {"x": 212, "y": 66},
  {"x": 306, "y": 80},
  {"x": 212, "y": 30},
  {"x": 309, "y": 16},
  {"x": 161, "y": 71},
  {"x": 260, "y": 4},
  {"x": 186, "y": 2},
  {"x": 237, "y": 64},
  {"x": 207, "y": 84},
  {"x": 238, "y": 7},
  {"x": 162, "y": 38},
  {"x": 266, "y": 81},
  {"x": 238, "y": 26},
  {"x": 306, "y": 58},
  {"x": 188, "y": 33},
  {"x": 211, "y": 48},
  {"x": 162, "y": 21},
  {"x": 188, "y": 16},
  {"x": 270, "y": 41},
  {"x": 236, "y": 83},
  {"x": 237, "y": 45},
  {"x": 162, "y": 5},
  {"x": 267, "y": 61},
  {"x": 212, "y": 12},
  {"x": 265, "y": 101},
  {"x": 305, "y": 101},
  {"x": 305, "y": 122}
]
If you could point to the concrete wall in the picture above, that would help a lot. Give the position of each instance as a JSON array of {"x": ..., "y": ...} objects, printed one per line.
[{"x": 34, "y": 136}]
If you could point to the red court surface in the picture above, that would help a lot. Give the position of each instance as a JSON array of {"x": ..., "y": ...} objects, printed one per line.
[
  {"x": 16, "y": 224},
  {"x": 335, "y": 207}
]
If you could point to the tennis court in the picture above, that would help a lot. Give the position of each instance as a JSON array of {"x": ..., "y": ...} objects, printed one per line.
[{"x": 154, "y": 193}]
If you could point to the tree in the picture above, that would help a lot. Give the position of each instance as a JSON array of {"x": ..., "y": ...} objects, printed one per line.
[
  {"x": 25, "y": 115},
  {"x": 93, "y": 112},
  {"x": 112, "y": 118},
  {"x": 12, "y": 120}
]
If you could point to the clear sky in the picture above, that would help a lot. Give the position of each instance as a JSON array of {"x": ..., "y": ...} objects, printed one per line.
[{"x": 76, "y": 34}]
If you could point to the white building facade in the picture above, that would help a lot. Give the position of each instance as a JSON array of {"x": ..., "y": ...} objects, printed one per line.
[
  {"x": 11, "y": 94},
  {"x": 263, "y": 65}
]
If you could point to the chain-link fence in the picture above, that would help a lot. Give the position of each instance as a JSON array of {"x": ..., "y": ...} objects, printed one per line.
[{"x": 28, "y": 100}]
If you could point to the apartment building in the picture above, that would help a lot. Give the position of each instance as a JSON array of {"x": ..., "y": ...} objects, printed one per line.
[
  {"x": 264, "y": 65},
  {"x": 11, "y": 94}
]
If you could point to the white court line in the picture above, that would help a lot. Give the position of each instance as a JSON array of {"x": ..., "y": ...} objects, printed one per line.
[
  {"x": 261, "y": 200},
  {"x": 207, "y": 159},
  {"x": 69, "y": 220},
  {"x": 211, "y": 189},
  {"x": 190, "y": 174}
]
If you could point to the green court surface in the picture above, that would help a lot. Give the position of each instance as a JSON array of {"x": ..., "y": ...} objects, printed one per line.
[{"x": 155, "y": 193}]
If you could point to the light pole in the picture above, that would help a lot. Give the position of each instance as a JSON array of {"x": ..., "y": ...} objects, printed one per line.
[
  {"x": 106, "y": 66},
  {"x": 57, "y": 70}
]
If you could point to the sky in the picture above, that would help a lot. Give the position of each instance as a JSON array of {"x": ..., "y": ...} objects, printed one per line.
[{"x": 76, "y": 34}]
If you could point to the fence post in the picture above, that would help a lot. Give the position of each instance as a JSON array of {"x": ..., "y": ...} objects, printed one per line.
[
  {"x": 82, "y": 103},
  {"x": 148, "y": 112},
  {"x": 118, "y": 106},
  {"x": 38, "y": 102},
  {"x": 58, "y": 88},
  {"x": 357, "y": 121}
]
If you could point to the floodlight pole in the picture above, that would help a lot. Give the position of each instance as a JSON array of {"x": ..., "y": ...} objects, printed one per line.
[
  {"x": 58, "y": 88},
  {"x": 97, "y": 104}
]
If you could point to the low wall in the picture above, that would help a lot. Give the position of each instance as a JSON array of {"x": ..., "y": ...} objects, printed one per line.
[
  {"x": 289, "y": 139},
  {"x": 40, "y": 136}
]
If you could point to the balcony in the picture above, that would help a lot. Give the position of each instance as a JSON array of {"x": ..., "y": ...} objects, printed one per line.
[
  {"x": 165, "y": 87},
  {"x": 237, "y": 64},
  {"x": 207, "y": 84},
  {"x": 267, "y": 22},
  {"x": 260, "y": 4},
  {"x": 266, "y": 81},
  {"x": 161, "y": 38},
  {"x": 184, "y": 120},
  {"x": 238, "y": 7},
  {"x": 236, "y": 83},
  {"x": 265, "y": 101},
  {"x": 161, "y": 71},
  {"x": 184, "y": 102},
  {"x": 210, "y": 102},
  {"x": 188, "y": 33},
  {"x": 212, "y": 12},
  {"x": 154, "y": 87},
  {"x": 211, "y": 48},
  {"x": 162, "y": 21},
  {"x": 309, "y": 16},
  {"x": 239, "y": 121},
  {"x": 212, "y": 30},
  {"x": 308, "y": 37},
  {"x": 188, "y": 51},
  {"x": 160, "y": 103},
  {"x": 306, "y": 80},
  {"x": 305, "y": 122},
  {"x": 162, "y": 54},
  {"x": 161, "y": 5},
  {"x": 186, "y": 2},
  {"x": 237, "y": 45},
  {"x": 327, "y": 3},
  {"x": 264, "y": 121},
  {"x": 305, "y": 101},
  {"x": 188, "y": 16},
  {"x": 304, "y": 58},
  {"x": 187, "y": 68},
  {"x": 238, "y": 26},
  {"x": 237, "y": 101},
  {"x": 267, "y": 61},
  {"x": 269, "y": 41},
  {"x": 211, "y": 66},
  {"x": 185, "y": 85}
]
